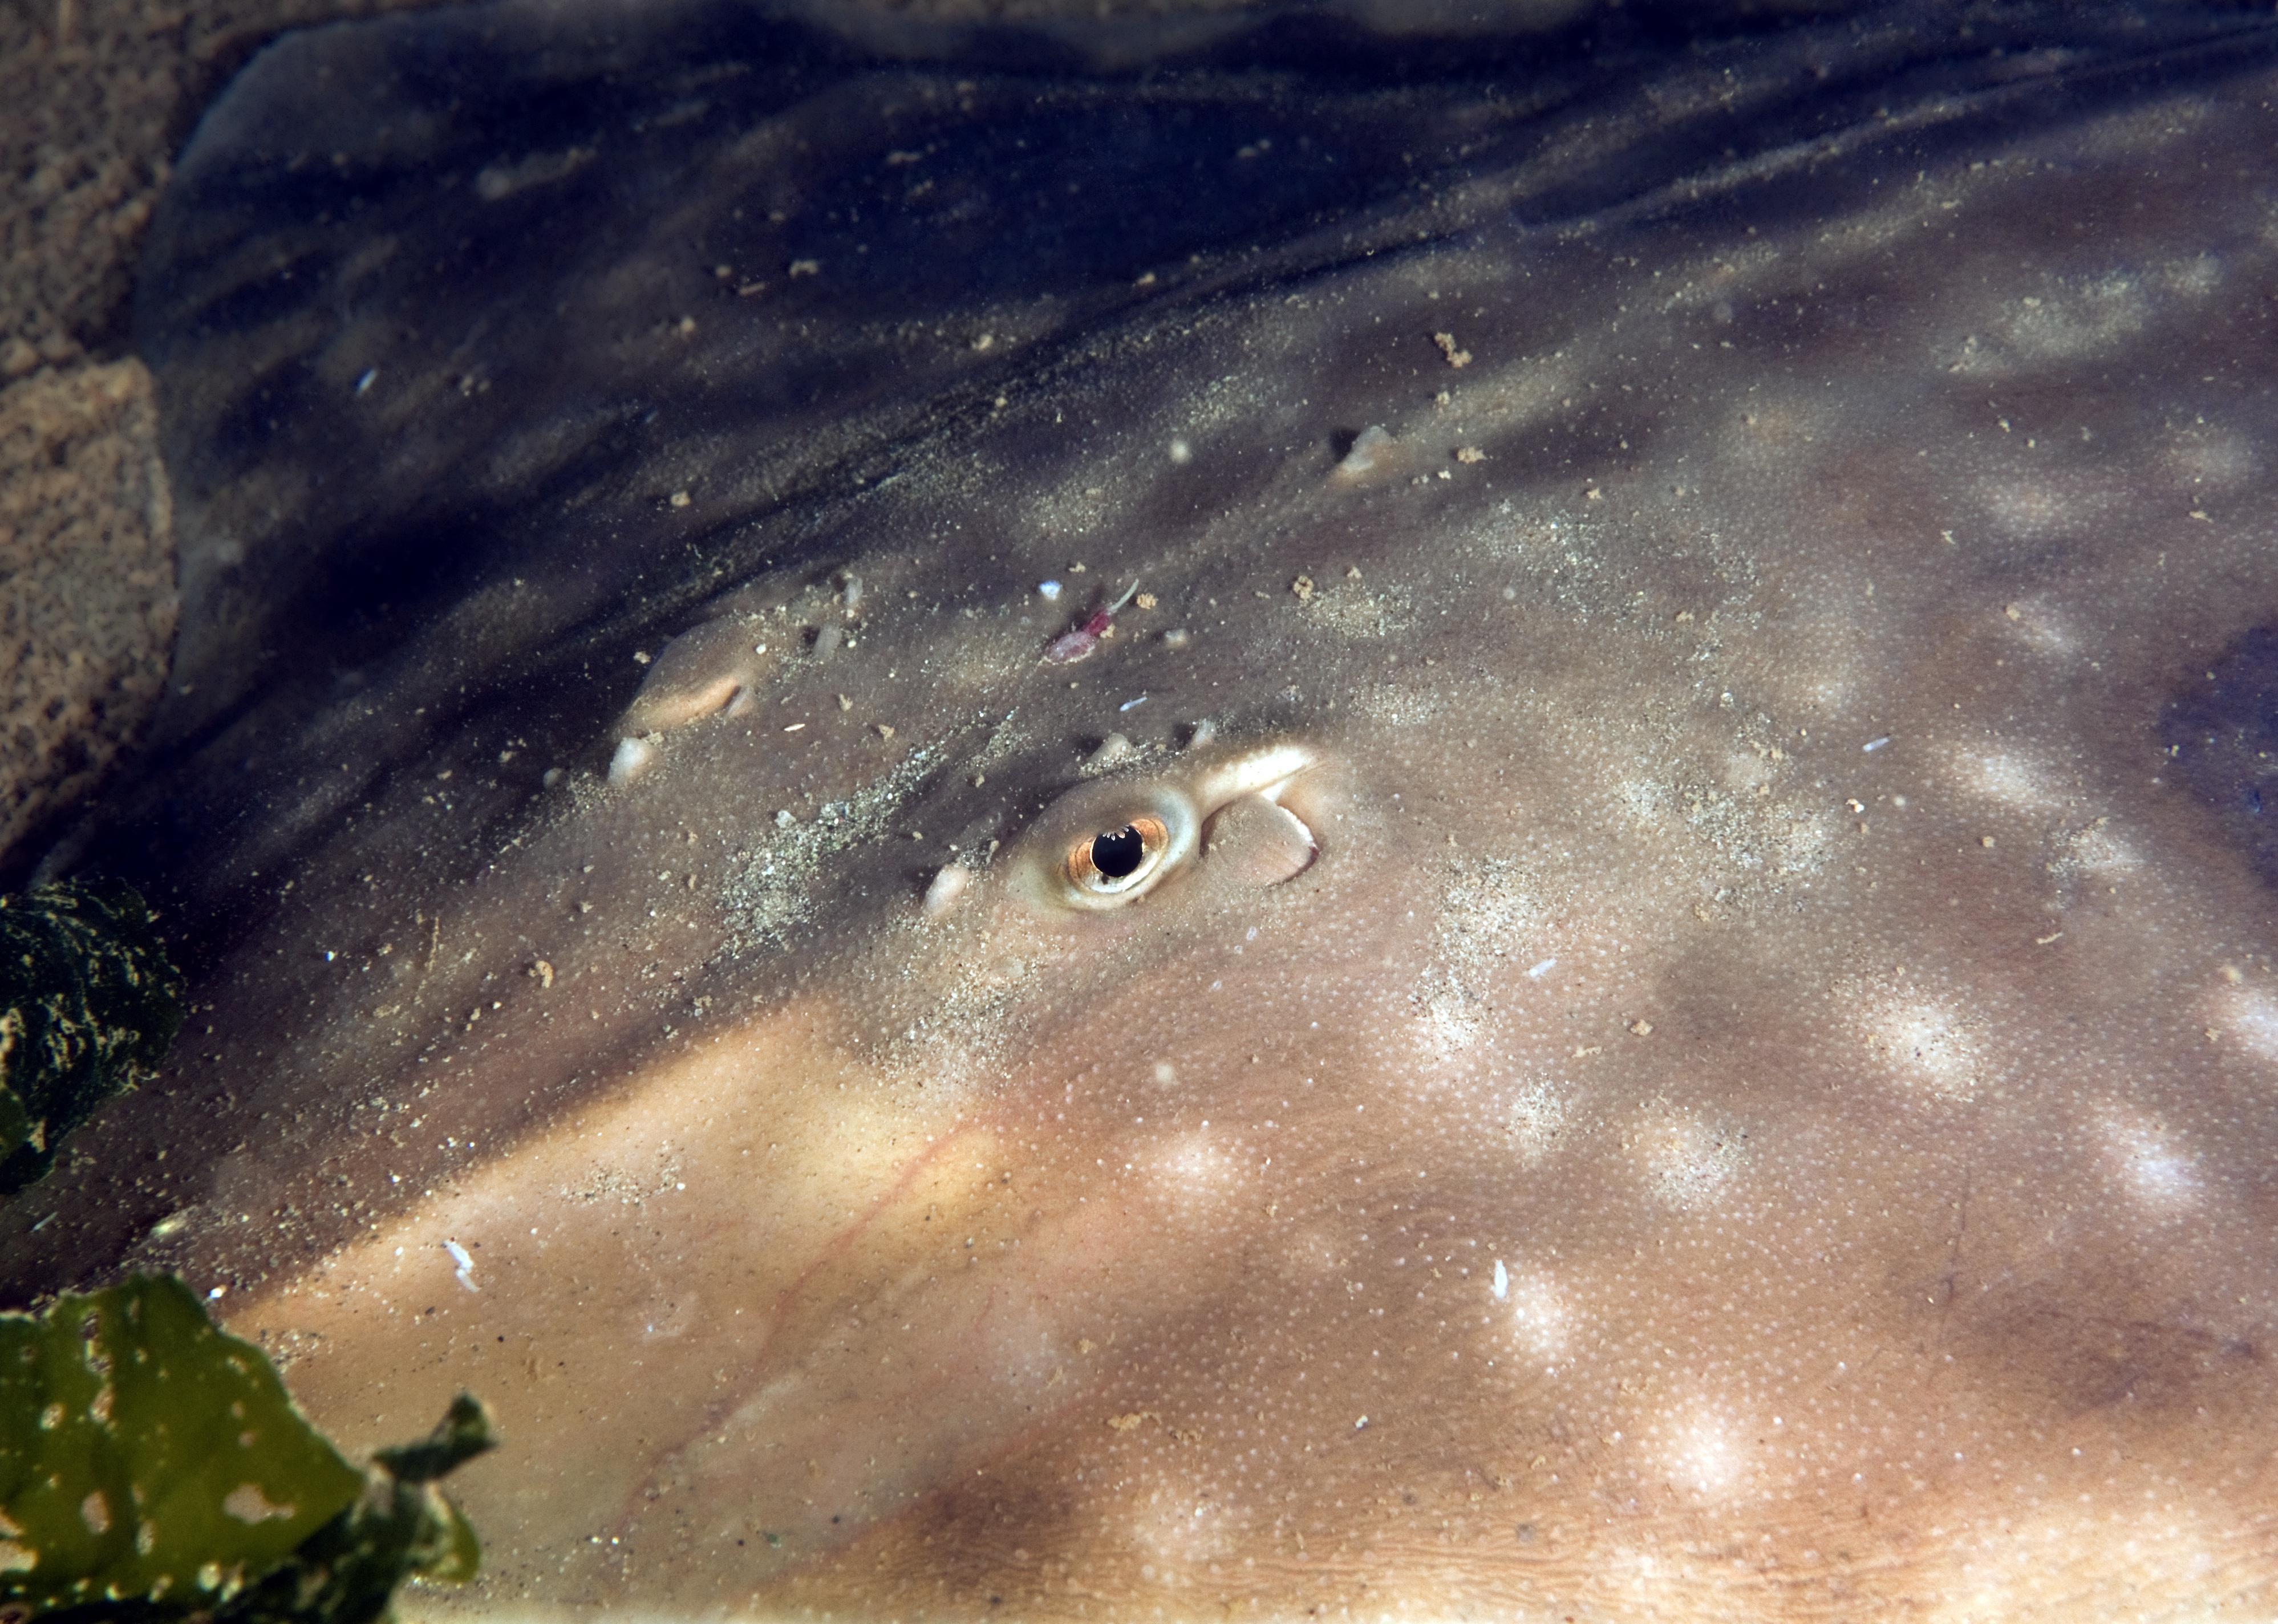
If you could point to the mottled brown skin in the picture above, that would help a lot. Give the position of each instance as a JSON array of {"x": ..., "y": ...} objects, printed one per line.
[{"x": 1660, "y": 1158}]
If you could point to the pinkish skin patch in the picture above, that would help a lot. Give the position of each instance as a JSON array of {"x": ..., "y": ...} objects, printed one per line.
[{"x": 1078, "y": 643}]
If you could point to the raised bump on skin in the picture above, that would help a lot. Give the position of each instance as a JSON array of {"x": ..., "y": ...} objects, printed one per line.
[
  {"x": 1265, "y": 772},
  {"x": 1254, "y": 839},
  {"x": 949, "y": 884},
  {"x": 705, "y": 670},
  {"x": 632, "y": 757}
]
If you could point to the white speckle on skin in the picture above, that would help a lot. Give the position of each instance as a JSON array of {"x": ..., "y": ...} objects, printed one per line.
[
  {"x": 1535, "y": 1113},
  {"x": 1705, "y": 1456},
  {"x": 1930, "y": 1043},
  {"x": 2253, "y": 1019},
  {"x": 2013, "y": 782},
  {"x": 2160, "y": 1176},
  {"x": 1540, "y": 1316},
  {"x": 1687, "y": 1161},
  {"x": 1197, "y": 1167}
]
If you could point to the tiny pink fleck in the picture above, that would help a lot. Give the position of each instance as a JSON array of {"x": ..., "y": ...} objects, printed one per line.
[{"x": 1076, "y": 643}]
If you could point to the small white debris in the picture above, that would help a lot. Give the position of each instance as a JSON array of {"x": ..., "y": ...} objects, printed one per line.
[
  {"x": 784, "y": 818},
  {"x": 1872, "y": 745},
  {"x": 1049, "y": 590},
  {"x": 550, "y": 777},
  {"x": 466, "y": 1264},
  {"x": 1536, "y": 971},
  {"x": 850, "y": 594},
  {"x": 1129, "y": 704},
  {"x": 949, "y": 884},
  {"x": 631, "y": 759},
  {"x": 371, "y": 377},
  {"x": 1181, "y": 453},
  {"x": 1361, "y": 1425},
  {"x": 1113, "y": 749},
  {"x": 1501, "y": 1281},
  {"x": 1201, "y": 733},
  {"x": 217, "y": 1293}
]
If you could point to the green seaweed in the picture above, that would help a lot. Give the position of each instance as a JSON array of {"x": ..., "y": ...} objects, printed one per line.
[
  {"x": 88, "y": 1002},
  {"x": 153, "y": 1468}
]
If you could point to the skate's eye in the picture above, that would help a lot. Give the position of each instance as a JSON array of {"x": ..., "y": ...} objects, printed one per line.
[
  {"x": 1105, "y": 846},
  {"x": 1119, "y": 861}
]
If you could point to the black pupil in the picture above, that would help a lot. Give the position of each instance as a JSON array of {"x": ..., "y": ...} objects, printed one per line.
[{"x": 1117, "y": 856}]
